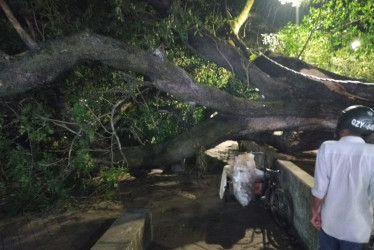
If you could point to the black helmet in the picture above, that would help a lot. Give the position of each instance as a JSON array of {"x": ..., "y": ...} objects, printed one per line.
[{"x": 358, "y": 119}]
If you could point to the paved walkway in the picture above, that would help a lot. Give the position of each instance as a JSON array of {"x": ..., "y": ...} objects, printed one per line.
[
  {"x": 208, "y": 222},
  {"x": 237, "y": 228},
  {"x": 228, "y": 226},
  {"x": 68, "y": 231}
]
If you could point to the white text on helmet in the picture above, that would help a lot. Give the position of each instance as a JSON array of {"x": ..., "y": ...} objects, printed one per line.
[
  {"x": 357, "y": 123},
  {"x": 360, "y": 124}
]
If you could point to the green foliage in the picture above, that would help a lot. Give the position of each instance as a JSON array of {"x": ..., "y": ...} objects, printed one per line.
[
  {"x": 50, "y": 138},
  {"x": 160, "y": 118},
  {"x": 202, "y": 71},
  {"x": 237, "y": 87},
  {"x": 52, "y": 159},
  {"x": 42, "y": 163},
  {"x": 212, "y": 75},
  {"x": 45, "y": 150},
  {"x": 332, "y": 27},
  {"x": 111, "y": 176},
  {"x": 142, "y": 26}
]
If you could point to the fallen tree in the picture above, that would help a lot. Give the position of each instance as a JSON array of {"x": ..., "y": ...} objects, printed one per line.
[
  {"x": 78, "y": 109},
  {"x": 292, "y": 102}
]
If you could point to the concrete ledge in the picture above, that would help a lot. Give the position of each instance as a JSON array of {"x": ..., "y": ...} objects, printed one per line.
[
  {"x": 131, "y": 231},
  {"x": 298, "y": 184},
  {"x": 305, "y": 178}
]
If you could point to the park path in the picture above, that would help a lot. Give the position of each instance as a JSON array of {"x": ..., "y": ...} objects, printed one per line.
[{"x": 187, "y": 214}]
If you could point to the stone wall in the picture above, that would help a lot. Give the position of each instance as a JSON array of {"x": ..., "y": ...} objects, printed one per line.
[
  {"x": 131, "y": 231},
  {"x": 298, "y": 184}
]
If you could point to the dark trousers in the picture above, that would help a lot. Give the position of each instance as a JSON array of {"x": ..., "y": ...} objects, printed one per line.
[{"x": 327, "y": 242}]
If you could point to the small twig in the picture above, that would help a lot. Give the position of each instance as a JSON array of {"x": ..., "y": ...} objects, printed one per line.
[
  {"x": 62, "y": 124},
  {"x": 52, "y": 163},
  {"x": 310, "y": 35},
  {"x": 134, "y": 81},
  {"x": 37, "y": 27},
  {"x": 114, "y": 130},
  {"x": 96, "y": 118},
  {"x": 70, "y": 168},
  {"x": 71, "y": 146}
]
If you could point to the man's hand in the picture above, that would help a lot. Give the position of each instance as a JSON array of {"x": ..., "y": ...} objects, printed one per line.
[
  {"x": 316, "y": 220},
  {"x": 316, "y": 214}
]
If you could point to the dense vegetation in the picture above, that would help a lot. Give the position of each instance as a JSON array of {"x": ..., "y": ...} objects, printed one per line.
[
  {"x": 337, "y": 36},
  {"x": 49, "y": 136}
]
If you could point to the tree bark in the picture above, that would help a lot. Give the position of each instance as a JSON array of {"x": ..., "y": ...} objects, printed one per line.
[
  {"x": 291, "y": 101},
  {"x": 210, "y": 133},
  {"x": 40, "y": 67},
  {"x": 280, "y": 83},
  {"x": 243, "y": 16}
]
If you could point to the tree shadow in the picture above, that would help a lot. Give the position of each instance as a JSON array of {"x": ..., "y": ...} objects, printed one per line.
[{"x": 251, "y": 225}]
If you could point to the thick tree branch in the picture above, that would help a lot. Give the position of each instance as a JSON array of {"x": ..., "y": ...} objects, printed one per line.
[
  {"x": 43, "y": 66},
  {"x": 278, "y": 83},
  {"x": 291, "y": 102},
  {"x": 210, "y": 133}
]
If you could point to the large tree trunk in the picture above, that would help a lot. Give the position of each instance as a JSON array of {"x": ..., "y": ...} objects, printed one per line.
[
  {"x": 210, "y": 133},
  {"x": 291, "y": 101}
]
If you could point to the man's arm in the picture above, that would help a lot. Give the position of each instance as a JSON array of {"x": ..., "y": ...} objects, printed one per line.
[{"x": 316, "y": 213}]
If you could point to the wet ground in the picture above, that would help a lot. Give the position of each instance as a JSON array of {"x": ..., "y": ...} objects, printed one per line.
[{"x": 187, "y": 213}]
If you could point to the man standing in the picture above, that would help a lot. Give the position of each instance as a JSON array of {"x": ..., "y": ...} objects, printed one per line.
[{"x": 343, "y": 191}]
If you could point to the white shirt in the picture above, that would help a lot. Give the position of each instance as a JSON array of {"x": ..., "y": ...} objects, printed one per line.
[{"x": 344, "y": 179}]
